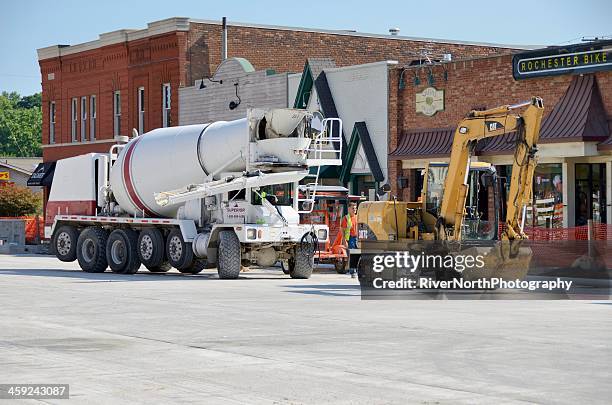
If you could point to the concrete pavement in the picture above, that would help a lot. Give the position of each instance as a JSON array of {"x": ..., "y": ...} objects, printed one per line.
[{"x": 266, "y": 338}]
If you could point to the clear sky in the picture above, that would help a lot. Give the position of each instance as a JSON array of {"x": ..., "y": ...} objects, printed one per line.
[{"x": 27, "y": 25}]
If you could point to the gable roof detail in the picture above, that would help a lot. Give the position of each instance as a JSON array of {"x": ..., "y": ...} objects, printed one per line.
[{"x": 361, "y": 134}]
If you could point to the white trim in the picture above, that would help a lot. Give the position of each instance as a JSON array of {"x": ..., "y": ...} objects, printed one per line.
[
  {"x": 117, "y": 112},
  {"x": 93, "y": 116},
  {"x": 52, "y": 121},
  {"x": 140, "y": 100},
  {"x": 166, "y": 108},
  {"x": 83, "y": 118},
  {"x": 182, "y": 24},
  {"x": 74, "y": 119}
]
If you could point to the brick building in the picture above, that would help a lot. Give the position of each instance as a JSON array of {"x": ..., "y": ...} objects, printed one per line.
[
  {"x": 130, "y": 78},
  {"x": 422, "y": 105},
  {"x": 574, "y": 174}
]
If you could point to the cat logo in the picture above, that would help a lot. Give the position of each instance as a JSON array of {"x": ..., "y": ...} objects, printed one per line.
[{"x": 493, "y": 125}]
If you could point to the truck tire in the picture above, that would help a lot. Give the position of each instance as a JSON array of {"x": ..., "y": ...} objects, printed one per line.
[
  {"x": 91, "y": 250},
  {"x": 122, "y": 251},
  {"x": 300, "y": 266},
  {"x": 341, "y": 266},
  {"x": 162, "y": 268},
  {"x": 178, "y": 252},
  {"x": 65, "y": 243},
  {"x": 228, "y": 265},
  {"x": 152, "y": 250},
  {"x": 196, "y": 267}
]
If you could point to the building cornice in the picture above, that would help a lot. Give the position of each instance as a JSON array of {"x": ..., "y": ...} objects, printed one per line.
[
  {"x": 182, "y": 24},
  {"x": 115, "y": 37}
]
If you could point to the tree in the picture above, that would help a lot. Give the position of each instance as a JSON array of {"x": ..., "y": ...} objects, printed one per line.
[
  {"x": 16, "y": 201},
  {"x": 20, "y": 125},
  {"x": 33, "y": 101}
]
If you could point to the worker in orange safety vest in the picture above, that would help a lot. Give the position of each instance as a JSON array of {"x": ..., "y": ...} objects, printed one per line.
[{"x": 349, "y": 226}]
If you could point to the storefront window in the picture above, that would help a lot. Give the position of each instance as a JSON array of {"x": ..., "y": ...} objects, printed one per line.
[
  {"x": 548, "y": 195},
  {"x": 546, "y": 209}
]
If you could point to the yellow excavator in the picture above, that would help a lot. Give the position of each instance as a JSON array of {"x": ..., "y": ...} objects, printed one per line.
[{"x": 454, "y": 194}]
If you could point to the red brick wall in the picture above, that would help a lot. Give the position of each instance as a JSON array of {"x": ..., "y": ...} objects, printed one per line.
[
  {"x": 286, "y": 50},
  {"x": 149, "y": 63},
  {"x": 478, "y": 83},
  {"x": 66, "y": 151},
  {"x": 181, "y": 57}
]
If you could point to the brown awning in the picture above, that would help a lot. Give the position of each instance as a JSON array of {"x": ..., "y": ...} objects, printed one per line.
[
  {"x": 423, "y": 144},
  {"x": 578, "y": 117}
]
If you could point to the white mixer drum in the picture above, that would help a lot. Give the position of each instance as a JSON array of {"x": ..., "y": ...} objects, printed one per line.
[{"x": 170, "y": 158}]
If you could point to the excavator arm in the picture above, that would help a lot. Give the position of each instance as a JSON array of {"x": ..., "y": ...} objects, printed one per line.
[{"x": 486, "y": 124}]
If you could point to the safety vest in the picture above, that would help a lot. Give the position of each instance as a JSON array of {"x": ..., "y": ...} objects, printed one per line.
[{"x": 347, "y": 228}]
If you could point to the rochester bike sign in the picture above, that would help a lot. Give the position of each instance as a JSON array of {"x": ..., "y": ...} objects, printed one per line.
[{"x": 559, "y": 60}]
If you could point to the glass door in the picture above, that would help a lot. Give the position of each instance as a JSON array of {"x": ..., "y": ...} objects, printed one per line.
[{"x": 590, "y": 193}]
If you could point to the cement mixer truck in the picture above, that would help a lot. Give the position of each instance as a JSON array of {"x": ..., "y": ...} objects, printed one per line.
[{"x": 224, "y": 195}]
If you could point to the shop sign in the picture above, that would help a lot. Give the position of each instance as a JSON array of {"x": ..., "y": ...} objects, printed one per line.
[
  {"x": 5, "y": 176},
  {"x": 430, "y": 101},
  {"x": 572, "y": 59}
]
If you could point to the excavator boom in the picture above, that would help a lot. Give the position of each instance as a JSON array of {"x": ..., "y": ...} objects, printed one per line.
[{"x": 486, "y": 124}]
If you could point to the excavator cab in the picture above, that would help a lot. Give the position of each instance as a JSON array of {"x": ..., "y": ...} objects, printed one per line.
[{"x": 483, "y": 201}]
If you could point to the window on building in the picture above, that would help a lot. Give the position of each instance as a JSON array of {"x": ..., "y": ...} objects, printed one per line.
[
  {"x": 546, "y": 208},
  {"x": 92, "y": 117},
  {"x": 75, "y": 117},
  {"x": 547, "y": 205},
  {"x": 141, "y": 110},
  {"x": 166, "y": 105},
  {"x": 83, "y": 119},
  {"x": 52, "y": 122},
  {"x": 117, "y": 112}
]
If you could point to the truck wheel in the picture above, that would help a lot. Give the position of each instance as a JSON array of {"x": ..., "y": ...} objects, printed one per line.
[
  {"x": 300, "y": 266},
  {"x": 162, "y": 268},
  {"x": 228, "y": 265},
  {"x": 178, "y": 252},
  {"x": 341, "y": 266},
  {"x": 65, "y": 243},
  {"x": 152, "y": 250},
  {"x": 91, "y": 250},
  {"x": 122, "y": 251},
  {"x": 196, "y": 267}
]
